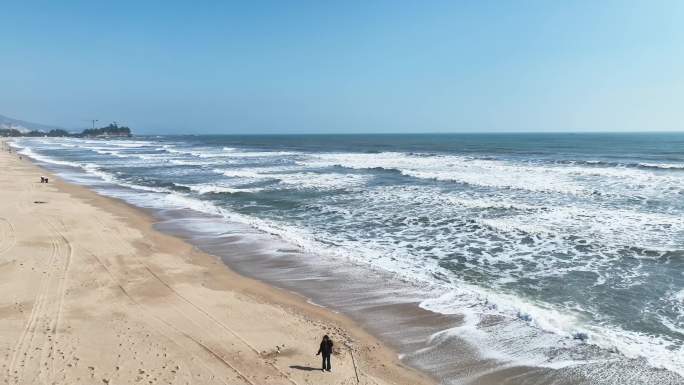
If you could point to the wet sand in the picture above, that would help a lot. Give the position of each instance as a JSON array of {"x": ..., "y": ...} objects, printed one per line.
[{"x": 375, "y": 300}]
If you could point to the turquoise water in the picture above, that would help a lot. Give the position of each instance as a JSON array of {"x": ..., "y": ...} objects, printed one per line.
[{"x": 576, "y": 238}]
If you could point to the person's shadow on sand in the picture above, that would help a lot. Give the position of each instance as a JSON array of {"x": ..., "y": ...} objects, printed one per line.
[{"x": 307, "y": 368}]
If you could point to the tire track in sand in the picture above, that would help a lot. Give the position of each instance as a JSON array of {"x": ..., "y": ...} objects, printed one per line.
[
  {"x": 40, "y": 332},
  {"x": 7, "y": 236},
  {"x": 67, "y": 251},
  {"x": 169, "y": 331},
  {"x": 181, "y": 309},
  {"x": 22, "y": 347}
]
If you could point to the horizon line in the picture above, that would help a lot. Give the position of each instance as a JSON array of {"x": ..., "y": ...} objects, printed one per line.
[{"x": 415, "y": 133}]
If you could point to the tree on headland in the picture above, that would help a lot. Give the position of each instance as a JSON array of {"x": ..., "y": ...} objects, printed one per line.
[
  {"x": 112, "y": 129},
  {"x": 58, "y": 132}
]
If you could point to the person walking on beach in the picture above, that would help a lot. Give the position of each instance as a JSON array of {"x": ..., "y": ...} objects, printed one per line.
[{"x": 326, "y": 349}]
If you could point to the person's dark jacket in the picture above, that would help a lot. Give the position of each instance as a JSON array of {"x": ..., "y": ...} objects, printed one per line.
[{"x": 326, "y": 348}]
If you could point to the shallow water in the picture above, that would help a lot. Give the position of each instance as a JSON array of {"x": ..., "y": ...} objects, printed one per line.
[{"x": 557, "y": 251}]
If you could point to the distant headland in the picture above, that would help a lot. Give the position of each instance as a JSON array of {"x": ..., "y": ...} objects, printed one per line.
[{"x": 17, "y": 128}]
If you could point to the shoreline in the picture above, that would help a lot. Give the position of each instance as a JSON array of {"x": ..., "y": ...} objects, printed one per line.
[
  {"x": 176, "y": 273},
  {"x": 448, "y": 346}
]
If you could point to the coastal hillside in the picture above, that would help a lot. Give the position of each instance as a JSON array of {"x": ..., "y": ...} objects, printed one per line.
[
  {"x": 10, "y": 127},
  {"x": 7, "y": 123}
]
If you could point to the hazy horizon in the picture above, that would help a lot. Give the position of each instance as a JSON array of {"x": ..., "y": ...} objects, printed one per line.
[
  {"x": 333, "y": 133},
  {"x": 376, "y": 68}
]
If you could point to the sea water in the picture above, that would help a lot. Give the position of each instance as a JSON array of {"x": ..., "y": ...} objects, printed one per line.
[{"x": 572, "y": 243}]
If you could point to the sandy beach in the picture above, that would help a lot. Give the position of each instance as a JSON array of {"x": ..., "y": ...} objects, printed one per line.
[{"x": 93, "y": 294}]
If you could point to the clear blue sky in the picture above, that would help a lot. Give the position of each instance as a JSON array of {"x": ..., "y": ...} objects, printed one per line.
[{"x": 367, "y": 66}]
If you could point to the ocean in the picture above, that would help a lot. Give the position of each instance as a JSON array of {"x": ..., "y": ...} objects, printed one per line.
[{"x": 556, "y": 251}]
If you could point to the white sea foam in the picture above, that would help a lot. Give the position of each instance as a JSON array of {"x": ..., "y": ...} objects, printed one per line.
[
  {"x": 46, "y": 159},
  {"x": 186, "y": 162},
  {"x": 209, "y": 188},
  {"x": 173, "y": 149},
  {"x": 667, "y": 166},
  {"x": 253, "y": 173},
  {"x": 612, "y": 226},
  {"x": 261, "y": 154},
  {"x": 312, "y": 180},
  {"x": 530, "y": 348},
  {"x": 105, "y": 151},
  {"x": 288, "y": 178},
  {"x": 679, "y": 296},
  {"x": 566, "y": 179},
  {"x": 677, "y": 328},
  {"x": 481, "y": 203},
  {"x": 128, "y": 143},
  {"x": 226, "y": 152},
  {"x": 453, "y": 168}
]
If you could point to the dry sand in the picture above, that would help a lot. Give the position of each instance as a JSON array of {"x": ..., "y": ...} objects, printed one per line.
[{"x": 92, "y": 294}]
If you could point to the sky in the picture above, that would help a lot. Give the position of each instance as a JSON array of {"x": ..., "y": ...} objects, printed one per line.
[{"x": 279, "y": 67}]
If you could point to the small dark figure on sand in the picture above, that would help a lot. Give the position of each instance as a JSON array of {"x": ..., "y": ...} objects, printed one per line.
[
  {"x": 43, "y": 179},
  {"x": 326, "y": 350}
]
